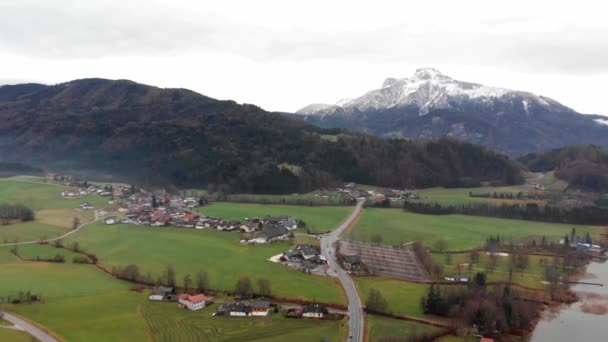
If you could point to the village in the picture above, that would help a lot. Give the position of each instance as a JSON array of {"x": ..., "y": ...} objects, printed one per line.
[{"x": 128, "y": 204}]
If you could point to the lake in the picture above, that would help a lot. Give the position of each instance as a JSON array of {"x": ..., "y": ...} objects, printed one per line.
[{"x": 585, "y": 320}]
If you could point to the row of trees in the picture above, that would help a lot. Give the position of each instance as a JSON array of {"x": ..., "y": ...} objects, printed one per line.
[
  {"x": 425, "y": 259},
  {"x": 10, "y": 212},
  {"x": 498, "y": 195},
  {"x": 529, "y": 212},
  {"x": 21, "y": 297}
]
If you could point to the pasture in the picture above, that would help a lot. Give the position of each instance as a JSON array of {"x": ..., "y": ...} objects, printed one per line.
[
  {"x": 14, "y": 335},
  {"x": 379, "y": 327},
  {"x": 403, "y": 297},
  {"x": 190, "y": 251},
  {"x": 318, "y": 219},
  {"x": 456, "y": 196},
  {"x": 81, "y": 303},
  {"x": 458, "y": 231},
  {"x": 54, "y": 214},
  {"x": 33, "y": 251}
]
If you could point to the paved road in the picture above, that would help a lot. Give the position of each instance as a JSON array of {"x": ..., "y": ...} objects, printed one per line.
[
  {"x": 97, "y": 218},
  {"x": 29, "y": 328},
  {"x": 356, "y": 323}
]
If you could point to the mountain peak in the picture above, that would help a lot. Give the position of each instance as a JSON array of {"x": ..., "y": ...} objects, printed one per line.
[
  {"x": 427, "y": 73},
  {"x": 428, "y": 89}
]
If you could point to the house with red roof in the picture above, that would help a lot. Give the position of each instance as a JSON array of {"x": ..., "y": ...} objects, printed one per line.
[{"x": 195, "y": 302}]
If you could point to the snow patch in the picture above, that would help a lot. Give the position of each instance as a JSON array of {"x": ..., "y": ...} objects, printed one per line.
[{"x": 602, "y": 121}]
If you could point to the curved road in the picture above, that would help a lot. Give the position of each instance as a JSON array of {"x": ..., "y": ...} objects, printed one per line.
[
  {"x": 355, "y": 309},
  {"x": 31, "y": 329}
]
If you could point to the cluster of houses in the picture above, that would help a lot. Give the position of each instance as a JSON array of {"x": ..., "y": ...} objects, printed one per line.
[
  {"x": 161, "y": 209},
  {"x": 351, "y": 190},
  {"x": 259, "y": 307},
  {"x": 304, "y": 257}
]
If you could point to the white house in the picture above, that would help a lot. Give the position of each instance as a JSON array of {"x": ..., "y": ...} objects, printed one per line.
[
  {"x": 193, "y": 303},
  {"x": 260, "y": 308}
]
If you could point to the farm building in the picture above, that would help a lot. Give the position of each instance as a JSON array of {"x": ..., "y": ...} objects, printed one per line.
[
  {"x": 193, "y": 303},
  {"x": 260, "y": 308},
  {"x": 161, "y": 293},
  {"x": 314, "y": 311}
]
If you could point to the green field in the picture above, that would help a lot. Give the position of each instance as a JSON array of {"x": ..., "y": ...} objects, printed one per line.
[
  {"x": 382, "y": 327},
  {"x": 33, "y": 251},
  {"x": 39, "y": 195},
  {"x": 167, "y": 322},
  {"x": 54, "y": 214},
  {"x": 189, "y": 251},
  {"x": 403, "y": 297},
  {"x": 458, "y": 231},
  {"x": 14, "y": 335},
  {"x": 81, "y": 303},
  {"x": 29, "y": 231},
  {"x": 455, "y": 196},
  {"x": 318, "y": 219}
]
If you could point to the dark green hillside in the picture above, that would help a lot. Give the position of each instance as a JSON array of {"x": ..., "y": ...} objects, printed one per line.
[
  {"x": 583, "y": 166},
  {"x": 176, "y": 136}
]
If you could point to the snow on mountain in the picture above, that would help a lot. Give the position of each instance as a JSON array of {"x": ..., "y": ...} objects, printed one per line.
[
  {"x": 602, "y": 121},
  {"x": 428, "y": 89}
]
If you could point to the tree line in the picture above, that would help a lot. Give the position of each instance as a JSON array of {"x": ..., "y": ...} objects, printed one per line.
[
  {"x": 10, "y": 212},
  {"x": 530, "y": 212}
]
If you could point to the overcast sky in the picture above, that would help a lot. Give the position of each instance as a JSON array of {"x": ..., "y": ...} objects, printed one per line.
[{"x": 283, "y": 55}]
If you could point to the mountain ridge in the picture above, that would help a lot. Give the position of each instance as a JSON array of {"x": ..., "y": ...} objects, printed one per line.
[
  {"x": 430, "y": 104},
  {"x": 180, "y": 137}
]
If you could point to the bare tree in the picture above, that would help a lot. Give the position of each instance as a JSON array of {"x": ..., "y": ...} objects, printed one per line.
[
  {"x": 187, "y": 282},
  {"x": 75, "y": 222},
  {"x": 202, "y": 281},
  {"x": 243, "y": 287},
  {"x": 264, "y": 287}
]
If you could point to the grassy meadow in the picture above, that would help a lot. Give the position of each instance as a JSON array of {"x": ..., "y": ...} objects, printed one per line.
[
  {"x": 379, "y": 327},
  {"x": 318, "y": 219},
  {"x": 81, "y": 303},
  {"x": 54, "y": 214},
  {"x": 190, "y": 251},
  {"x": 403, "y": 297},
  {"x": 14, "y": 335},
  {"x": 33, "y": 251},
  {"x": 456, "y": 196},
  {"x": 458, "y": 231}
]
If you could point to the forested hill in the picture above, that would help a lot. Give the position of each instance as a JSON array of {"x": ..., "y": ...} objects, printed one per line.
[
  {"x": 8, "y": 169},
  {"x": 583, "y": 166},
  {"x": 176, "y": 136}
]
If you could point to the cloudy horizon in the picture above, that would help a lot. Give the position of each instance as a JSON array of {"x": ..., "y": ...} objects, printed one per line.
[{"x": 283, "y": 56}]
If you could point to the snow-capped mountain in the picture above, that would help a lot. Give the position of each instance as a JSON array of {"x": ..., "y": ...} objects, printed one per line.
[
  {"x": 429, "y": 89},
  {"x": 430, "y": 104}
]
